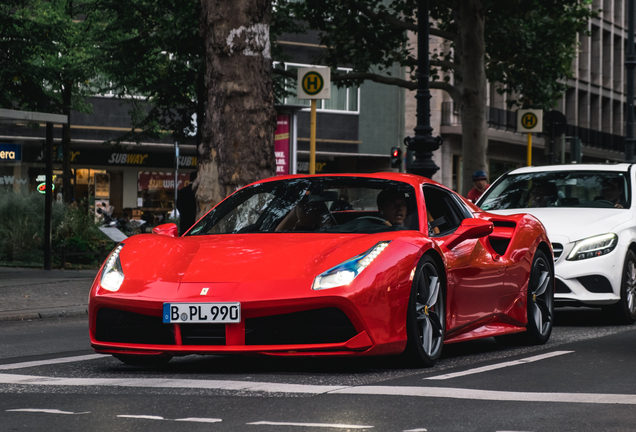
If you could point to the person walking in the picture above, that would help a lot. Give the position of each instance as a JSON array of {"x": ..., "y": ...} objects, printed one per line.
[
  {"x": 187, "y": 204},
  {"x": 481, "y": 184}
]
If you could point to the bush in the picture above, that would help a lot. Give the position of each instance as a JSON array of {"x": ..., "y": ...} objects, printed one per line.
[
  {"x": 22, "y": 230},
  {"x": 22, "y": 227}
]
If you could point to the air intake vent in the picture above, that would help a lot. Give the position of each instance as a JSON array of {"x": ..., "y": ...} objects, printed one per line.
[
  {"x": 114, "y": 325},
  {"x": 325, "y": 325},
  {"x": 557, "y": 249}
]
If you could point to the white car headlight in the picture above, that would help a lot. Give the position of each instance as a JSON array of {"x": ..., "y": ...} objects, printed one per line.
[
  {"x": 345, "y": 273},
  {"x": 593, "y": 247},
  {"x": 112, "y": 274}
]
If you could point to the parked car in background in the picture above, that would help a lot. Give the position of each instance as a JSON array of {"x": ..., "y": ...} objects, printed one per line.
[{"x": 590, "y": 217}]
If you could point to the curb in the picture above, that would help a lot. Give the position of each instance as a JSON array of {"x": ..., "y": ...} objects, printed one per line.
[{"x": 50, "y": 313}]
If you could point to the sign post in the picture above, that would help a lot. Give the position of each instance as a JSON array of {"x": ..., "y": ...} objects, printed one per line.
[
  {"x": 529, "y": 121},
  {"x": 313, "y": 83}
]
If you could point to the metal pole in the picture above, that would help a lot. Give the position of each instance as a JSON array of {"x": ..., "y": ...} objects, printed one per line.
[
  {"x": 312, "y": 139},
  {"x": 630, "y": 64},
  {"x": 48, "y": 196},
  {"x": 176, "y": 177},
  {"x": 423, "y": 144},
  {"x": 529, "y": 155}
]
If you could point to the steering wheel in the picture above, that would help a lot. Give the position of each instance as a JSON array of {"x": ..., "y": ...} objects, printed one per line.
[
  {"x": 372, "y": 219},
  {"x": 604, "y": 201}
]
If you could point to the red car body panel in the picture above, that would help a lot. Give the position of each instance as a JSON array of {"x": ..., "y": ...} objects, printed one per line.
[{"x": 272, "y": 274}]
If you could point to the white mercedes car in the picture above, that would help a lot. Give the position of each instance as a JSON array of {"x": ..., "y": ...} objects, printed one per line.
[{"x": 590, "y": 217}]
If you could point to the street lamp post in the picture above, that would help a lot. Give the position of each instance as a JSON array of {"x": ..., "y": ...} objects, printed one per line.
[
  {"x": 630, "y": 64},
  {"x": 423, "y": 144}
]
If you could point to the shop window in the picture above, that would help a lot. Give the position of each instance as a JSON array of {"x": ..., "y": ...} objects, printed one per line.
[{"x": 155, "y": 195}]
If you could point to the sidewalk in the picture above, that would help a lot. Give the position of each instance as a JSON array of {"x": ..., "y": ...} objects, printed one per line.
[{"x": 35, "y": 293}]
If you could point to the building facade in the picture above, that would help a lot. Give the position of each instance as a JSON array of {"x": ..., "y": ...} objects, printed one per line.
[{"x": 594, "y": 106}]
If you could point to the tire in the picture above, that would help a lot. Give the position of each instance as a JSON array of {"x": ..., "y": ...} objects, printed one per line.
[
  {"x": 425, "y": 318},
  {"x": 539, "y": 303},
  {"x": 143, "y": 360},
  {"x": 625, "y": 310}
]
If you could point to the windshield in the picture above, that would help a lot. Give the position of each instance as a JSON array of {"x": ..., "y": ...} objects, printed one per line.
[
  {"x": 322, "y": 205},
  {"x": 599, "y": 189}
]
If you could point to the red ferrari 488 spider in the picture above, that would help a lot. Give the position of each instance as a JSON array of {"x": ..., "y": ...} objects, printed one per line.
[{"x": 328, "y": 265}]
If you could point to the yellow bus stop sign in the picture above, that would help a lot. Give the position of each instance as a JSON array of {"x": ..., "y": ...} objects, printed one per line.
[
  {"x": 530, "y": 121},
  {"x": 314, "y": 83}
]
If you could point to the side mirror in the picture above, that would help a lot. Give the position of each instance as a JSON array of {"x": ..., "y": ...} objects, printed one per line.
[
  {"x": 469, "y": 229},
  {"x": 168, "y": 229}
]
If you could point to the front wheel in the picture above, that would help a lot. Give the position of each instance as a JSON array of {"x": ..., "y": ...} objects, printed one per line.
[
  {"x": 425, "y": 318},
  {"x": 540, "y": 305},
  {"x": 625, "y": 310}
]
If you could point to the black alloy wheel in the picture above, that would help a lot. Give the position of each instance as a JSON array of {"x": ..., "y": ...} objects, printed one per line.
[
  {"x": 425, "y": 319},
  {"x": 625, "y": 310},
  {"x": 540, "y": 305}
]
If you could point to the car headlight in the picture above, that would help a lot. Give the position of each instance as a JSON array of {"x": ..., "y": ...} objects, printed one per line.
[
  {"x": 593, "y": 247},
  {"x": 112, "y": 274},
  {"x": 345, "y": 273}
]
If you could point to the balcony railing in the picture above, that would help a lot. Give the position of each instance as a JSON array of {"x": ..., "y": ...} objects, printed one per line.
[{"x": 507, "y": 120}]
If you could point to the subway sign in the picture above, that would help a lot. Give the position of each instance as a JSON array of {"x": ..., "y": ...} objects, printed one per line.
[{"x": 10, "y": 152}]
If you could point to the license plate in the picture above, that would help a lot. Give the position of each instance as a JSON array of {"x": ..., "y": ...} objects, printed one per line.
[{"x": 202, "y": 313}]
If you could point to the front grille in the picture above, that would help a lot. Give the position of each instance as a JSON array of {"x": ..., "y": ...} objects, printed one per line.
[
  {"x": 114, "y": 325},
  {"x": 561, "y": 287},
  {"x": 325, "y": 325},
  {"x": 203, "y": 334},
  {"x": 596, "y": 284},
  {"x": 557, "y": 250}
]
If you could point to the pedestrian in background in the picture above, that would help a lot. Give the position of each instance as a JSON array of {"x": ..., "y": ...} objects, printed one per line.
[
  {"x": 481, "y": 184},
  {"x": 187, "y": 204}
]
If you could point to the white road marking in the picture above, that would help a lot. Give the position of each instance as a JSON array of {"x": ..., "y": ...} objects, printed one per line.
[
  {"x": 144, "y": 417},
  {"x": 188, "y": 419},
  {"x": 199, "y": 420},
  {"x": 50, "y": 362},
  {"x": 433, "y": 392},
  {"x": 47, "y": 411},
  {"x": 415, "y": 430},
  {"x": 499, "y": 365},
  {"x": 321, "y": 425},
  {"x": 493, "y": 395}
]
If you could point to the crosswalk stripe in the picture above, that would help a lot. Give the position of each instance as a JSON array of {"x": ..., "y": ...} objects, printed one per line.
[{"x": 243, "y": 386}]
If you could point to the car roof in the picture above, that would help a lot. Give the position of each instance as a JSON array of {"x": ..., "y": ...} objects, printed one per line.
[
  {"x": 624, "y": 167},
  {"x": 401, "y": 177}
]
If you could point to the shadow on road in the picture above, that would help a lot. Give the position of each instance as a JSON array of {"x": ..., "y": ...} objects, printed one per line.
[{"x": 582, "y": 317}]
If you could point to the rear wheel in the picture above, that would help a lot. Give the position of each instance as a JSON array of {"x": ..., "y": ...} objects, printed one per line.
[
  {"x": 425, "y": 319},
  {"x": 143, "y": 360},
  {"x": 625, "y": 310}
]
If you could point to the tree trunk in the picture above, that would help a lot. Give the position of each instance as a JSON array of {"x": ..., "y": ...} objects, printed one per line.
[
  {"x": 237, "y": 145},
  {"x": 67, "y": 188},
  {"x": 471, "y": 51}
]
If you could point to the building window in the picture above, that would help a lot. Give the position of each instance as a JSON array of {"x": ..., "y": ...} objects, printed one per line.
[{"x": 343, "y": 99}]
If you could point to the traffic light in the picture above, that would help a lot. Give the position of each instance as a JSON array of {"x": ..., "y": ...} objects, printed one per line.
[{"x": 396, "y": 157}]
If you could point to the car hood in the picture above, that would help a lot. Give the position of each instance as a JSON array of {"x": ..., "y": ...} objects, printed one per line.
[
  {"x": 574, "y": 224},
  {"x": 239, "y": 257}
]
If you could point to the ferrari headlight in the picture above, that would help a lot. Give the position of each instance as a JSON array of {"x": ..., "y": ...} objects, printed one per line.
[
  {"x": 593, "y": 247},
  {"x": 345, "y": 273},
  {"x": 112, "y": 273}
]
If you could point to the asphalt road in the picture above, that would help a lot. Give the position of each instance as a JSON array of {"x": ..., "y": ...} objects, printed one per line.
[{"x": 582, "y": 380}]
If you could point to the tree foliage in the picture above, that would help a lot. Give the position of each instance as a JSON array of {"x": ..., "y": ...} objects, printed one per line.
[
  {"x": 45, "y": 47},
  {"x": 529, "y": 45},
  {"x": 154, "y": 58}
]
